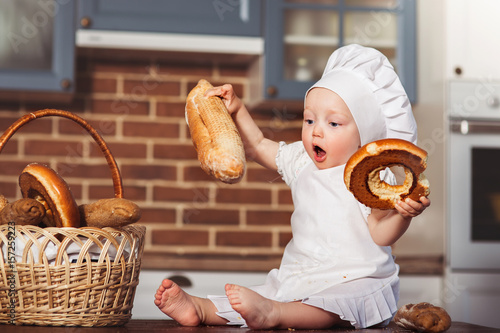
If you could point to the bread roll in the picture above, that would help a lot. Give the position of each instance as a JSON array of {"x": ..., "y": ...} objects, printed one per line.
[
  {"x": 362, "y": 173},
  {"x": 38, "y": 181},
  {"x": 112, "y": 212},
  {"x": 215, "y": 136},
  {"x": 24, "y": 211},
  {"x": 423, "y": 317}
]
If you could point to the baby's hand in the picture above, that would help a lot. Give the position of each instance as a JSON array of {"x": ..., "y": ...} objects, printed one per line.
[
  {"x": 411, "y": 208},
  {"x": 226, "y": 93}
]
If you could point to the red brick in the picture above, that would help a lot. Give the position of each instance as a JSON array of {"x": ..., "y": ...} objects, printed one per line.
[
  {"x": 76, "y": 190},
  {"x": 243, "y": 195},
  {"x": 157, "y": 215},
  {"x": 120, "y": 107},
  {"x": 9, "y": 189},
  {"x": 5, "y": 122},
  {"x": 285, "y": 197},
  {"x": 195, "y": 173},
  {"x": 268, "y": 217},
  {"x": 6, "y": 105},
  {"x": 147, "y": 172},
  {"x": 244, "y": 238},
  {"x": 76, "y": 106},
  {"x": 105, "y": 127},
  {"x": 200, "y": 70},
  {"x": 263, "y": 175},
  {"x": 104, "y": 66},
  {"x": 210, "y": 216},
  {"x": 175, "y": 152},
  {"x": 10, "y": 147},
  {"x": 93, "y": 85},
  {"x": 78, "y": 170},
  {"x": 141, "y": 89},
  {"x": 53, "y": 148},
  {"x": 284, "y": 238},
  {"x": 42, "y": 125},
  {"x": 150, "y": 129},
  {"x": 170, "y": 109},
  {"x": 241, "y": 71},
  {"x": 102, "y": 191},
  {"x": 133, "y": 193},
  {"x": 282, "y": 134},
  {"x": 175, "y": 194},
  {"x": 122, "y": 150},
  {"x": 180, "y": 237},
  {"x": 14, "y": 168}
]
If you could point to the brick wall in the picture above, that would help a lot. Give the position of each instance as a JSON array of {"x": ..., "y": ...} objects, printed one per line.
[{"x": 137, "y": 104}]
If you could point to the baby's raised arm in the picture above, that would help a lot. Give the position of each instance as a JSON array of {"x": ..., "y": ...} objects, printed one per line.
[{"x": 257, "y": 147}]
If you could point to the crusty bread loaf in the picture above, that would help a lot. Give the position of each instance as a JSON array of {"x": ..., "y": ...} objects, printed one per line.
[
  {"x": 40, "y": 182},
  {"x": 112, "y": 212},
  {"x": 423, "y": 317},
  {"x": 215, "y": 136},
  {"x": 362, "y": 173},
  {"x": 23, "y": 211}
]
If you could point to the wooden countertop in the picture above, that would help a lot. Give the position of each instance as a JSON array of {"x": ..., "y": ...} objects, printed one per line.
[{"x": 157, "y": 326}]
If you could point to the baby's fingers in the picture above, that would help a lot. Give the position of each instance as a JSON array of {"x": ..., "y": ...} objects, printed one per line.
[
  {"x": 224, "y": 91},
  {"x": 412, "y": 208}
]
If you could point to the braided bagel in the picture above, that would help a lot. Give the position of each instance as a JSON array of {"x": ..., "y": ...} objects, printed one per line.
[
  {"x": 423, "y": 317},
  {"x": 40, "y": 182},
  {"x": 362, "y": 173}
]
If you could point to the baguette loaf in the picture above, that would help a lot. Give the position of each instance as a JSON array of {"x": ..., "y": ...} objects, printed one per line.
[{"x": 215, "y": 136}]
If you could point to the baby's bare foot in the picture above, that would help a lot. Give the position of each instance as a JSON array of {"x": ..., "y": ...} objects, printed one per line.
[
  {"x": 177, "y": 304},
  {"x": 259, "y": 312}
]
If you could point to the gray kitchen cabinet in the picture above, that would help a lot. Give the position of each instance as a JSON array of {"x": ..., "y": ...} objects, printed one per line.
[
  {"x": 37, "y": 46},
  {"x": 300, "y": 35},
  {"x": 215, "y": 17}
]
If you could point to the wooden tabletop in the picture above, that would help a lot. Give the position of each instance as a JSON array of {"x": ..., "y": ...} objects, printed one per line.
[{"x": 157, "y": 326}]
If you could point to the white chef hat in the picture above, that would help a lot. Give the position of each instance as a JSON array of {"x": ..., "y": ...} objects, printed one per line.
[{"x": 368, "y": 84}]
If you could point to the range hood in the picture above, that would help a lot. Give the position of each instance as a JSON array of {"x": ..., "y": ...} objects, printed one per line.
[{"x": 169, "y": 42}]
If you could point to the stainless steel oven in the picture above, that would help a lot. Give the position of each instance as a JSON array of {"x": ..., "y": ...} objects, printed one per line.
[{"x": 473, "y": 175}]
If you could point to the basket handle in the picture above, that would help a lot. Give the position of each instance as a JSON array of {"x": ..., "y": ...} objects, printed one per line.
[{"x": 115, "y": 173}]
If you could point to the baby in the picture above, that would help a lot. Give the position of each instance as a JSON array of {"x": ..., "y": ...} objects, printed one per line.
[{"x": 338, "y": 269}]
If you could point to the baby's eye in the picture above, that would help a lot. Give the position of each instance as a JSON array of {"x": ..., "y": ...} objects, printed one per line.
[
  {"x": 308, "y": 121},
  {"x": 334, "y": 124}
]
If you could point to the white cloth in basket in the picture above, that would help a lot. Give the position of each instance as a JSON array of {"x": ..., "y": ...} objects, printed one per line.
[{"x": 73, "y": 250}]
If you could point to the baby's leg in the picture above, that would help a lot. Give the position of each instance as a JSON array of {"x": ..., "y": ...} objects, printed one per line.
[
  {"x": 262, "y": 313},
  {"x": 187, "y": 310}
]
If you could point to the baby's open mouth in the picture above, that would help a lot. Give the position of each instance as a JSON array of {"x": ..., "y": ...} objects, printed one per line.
[{"x": 319, "y": 151}]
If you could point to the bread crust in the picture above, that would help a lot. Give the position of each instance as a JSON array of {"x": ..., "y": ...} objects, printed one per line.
[
  {"x": 38, "y": 181},
  {"x": 112, "y": 212},
  {"x": 361, "y": 174},
  {"x": 423, "y": 317},
  {"x": 214, "y": 135},
  {"x": 23, "y": 211}
]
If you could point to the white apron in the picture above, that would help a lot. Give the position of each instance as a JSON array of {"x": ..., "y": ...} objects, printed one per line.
[{"x": 331, "y": 261}]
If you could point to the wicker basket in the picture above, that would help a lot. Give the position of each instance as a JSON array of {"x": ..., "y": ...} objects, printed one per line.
[{"x": 41, "y": 283}]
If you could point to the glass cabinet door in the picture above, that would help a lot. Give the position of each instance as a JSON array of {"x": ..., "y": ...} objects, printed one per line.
[
  {"x": 302, "y": 34},
  {"x": 36, "y": 45}
]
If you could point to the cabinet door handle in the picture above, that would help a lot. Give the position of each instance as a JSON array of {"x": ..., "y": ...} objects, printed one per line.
[
  {"x": 65, "y": 84},
  {"x": 85, "y": 22},
  {"x": 272, "y": 91}
]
